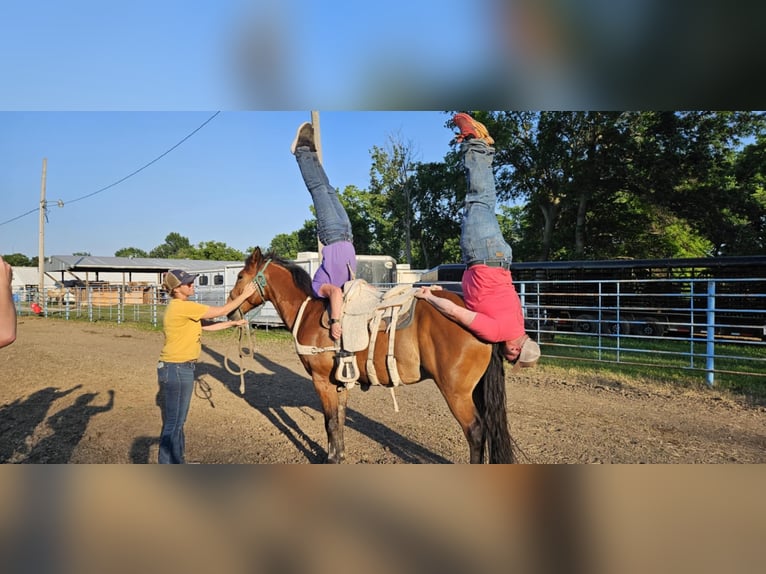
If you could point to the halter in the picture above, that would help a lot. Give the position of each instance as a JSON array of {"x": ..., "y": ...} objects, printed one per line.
[{"x": 260, "y": 280}]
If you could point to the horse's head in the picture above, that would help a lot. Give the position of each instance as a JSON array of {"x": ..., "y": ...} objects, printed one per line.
[
  {"x": 271, "y": 275},
  {"x": 252, "y": 272}
]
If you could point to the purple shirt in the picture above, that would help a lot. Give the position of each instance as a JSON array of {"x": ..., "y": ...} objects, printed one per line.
[{"x": 336, "y": 259}]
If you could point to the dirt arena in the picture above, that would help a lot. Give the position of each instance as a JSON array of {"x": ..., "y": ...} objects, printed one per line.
[{"x": 75, "y": 392}]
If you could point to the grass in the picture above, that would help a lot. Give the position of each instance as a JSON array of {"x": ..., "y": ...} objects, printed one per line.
[{"x": 739, "y": 367}]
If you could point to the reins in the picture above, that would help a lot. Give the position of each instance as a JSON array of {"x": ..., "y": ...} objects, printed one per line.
[
  {"x": 245, "y": 348},
  {"x": 245, "y": 345}
]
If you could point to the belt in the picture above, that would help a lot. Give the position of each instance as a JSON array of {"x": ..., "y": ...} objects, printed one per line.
[{"x": 491, "y": 263}]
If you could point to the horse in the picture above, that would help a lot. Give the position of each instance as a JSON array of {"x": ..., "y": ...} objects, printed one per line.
[{"x": 468, "y": 372}]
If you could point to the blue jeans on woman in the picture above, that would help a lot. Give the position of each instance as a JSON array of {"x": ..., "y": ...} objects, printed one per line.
[
  {"x": 176, "y": 386},
  {"x": 333, "y": 224},
  {"x": 481, "y": 239}
]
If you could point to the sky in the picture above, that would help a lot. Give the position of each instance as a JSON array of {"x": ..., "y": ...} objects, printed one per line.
[
  {"x": 349, "y": 55},
  {"x": 101, "y": 92},
  {"x": 233, "y": 181}
]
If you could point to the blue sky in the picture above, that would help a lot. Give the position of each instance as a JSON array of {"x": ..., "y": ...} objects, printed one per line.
[
  {"x": 233, "y": 54},
  {"x": 234, "y": 181}
]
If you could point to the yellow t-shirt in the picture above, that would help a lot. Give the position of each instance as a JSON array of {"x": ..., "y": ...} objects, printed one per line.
[{"x": 183, "y": 331}]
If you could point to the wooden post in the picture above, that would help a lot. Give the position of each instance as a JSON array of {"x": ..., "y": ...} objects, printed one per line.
[{"x": 41, "y": 243}]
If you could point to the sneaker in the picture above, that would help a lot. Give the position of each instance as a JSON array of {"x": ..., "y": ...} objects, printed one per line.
[
  {"x": 304, "y": 137},
  {"x": 471, "y": 129}
]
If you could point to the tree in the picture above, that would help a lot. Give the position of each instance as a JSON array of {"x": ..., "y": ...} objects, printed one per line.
[
  {"x": 130, "y": 252},
  {"x": 18, "y": 260},
  {"x": 285, "y": 245},
  {"x": 212, "y": 250},
  {"x": 391, "y": 197},
  {"x": 637, "y": 184},
  {"x": 175, "y": 244}
]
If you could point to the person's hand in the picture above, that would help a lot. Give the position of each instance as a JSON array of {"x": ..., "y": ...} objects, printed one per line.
[
  {"x": 425, "y": 292},
  {"x": 248, "y": 290},
  {"x": 422, "y": 293},
  {"x": 335, "y": 331},
  {"x": 238, "y": 323}
]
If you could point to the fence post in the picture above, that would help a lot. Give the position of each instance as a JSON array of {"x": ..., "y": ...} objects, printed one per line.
[
  {"x": 155, "y": 294},
  {"x": 120, "y": 303},
  {"x": 710, "y": 330}
]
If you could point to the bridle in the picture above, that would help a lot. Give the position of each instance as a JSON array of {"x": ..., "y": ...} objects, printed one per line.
[
  {"x": 246, "y": 346},
  {"x": 260, "y": 281}
]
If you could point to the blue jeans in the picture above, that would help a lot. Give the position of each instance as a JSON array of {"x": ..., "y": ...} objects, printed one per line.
[
  {"x": 333, "y": 224},
  {"x": 481, "y": 239},
  {"x": 176, "y": 386}
]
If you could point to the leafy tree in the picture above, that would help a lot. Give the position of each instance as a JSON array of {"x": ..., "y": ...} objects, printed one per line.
[
  {"x": 285, "y": 244},
  {"x": 212, "y": 250},
  {"x": 130, "y": 252},
  {"x": 81, "y": 254},
  {"x": 18, "y": 260},
  {"x": 438, "y": 190},
  {"x": 746, "y": 217},
  {"x": 635, "y": 184},
  {"x": 175, "y": 244}
]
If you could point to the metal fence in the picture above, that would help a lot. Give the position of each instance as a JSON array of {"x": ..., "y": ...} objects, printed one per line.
[{"x": 712, "y": 326}]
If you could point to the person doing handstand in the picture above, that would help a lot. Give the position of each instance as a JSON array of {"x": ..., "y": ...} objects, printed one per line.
[
  {"x": 492, "y": 309},
  {"x": 333, "y": 227}
]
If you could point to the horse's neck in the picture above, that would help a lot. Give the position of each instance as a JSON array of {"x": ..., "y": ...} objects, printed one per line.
[{"x": 287, "y": 300}]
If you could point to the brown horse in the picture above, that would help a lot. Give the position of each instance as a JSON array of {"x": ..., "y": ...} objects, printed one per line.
[{"x": 468, "y": 372}]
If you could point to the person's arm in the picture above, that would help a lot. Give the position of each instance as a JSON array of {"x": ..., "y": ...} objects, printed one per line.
[
  {"x": 7, "y": 307},
  {"x": 213, "y": 312},
  {"x": 335, "y": 295},
  {"x": 221, "y": 325},
  {"x": 449, "y": 309}
]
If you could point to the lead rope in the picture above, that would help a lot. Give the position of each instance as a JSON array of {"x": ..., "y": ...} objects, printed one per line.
[{"x": 245, "y": 348}]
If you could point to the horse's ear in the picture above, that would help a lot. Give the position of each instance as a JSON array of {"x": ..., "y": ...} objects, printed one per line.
[{"x": 256, "y": 254}]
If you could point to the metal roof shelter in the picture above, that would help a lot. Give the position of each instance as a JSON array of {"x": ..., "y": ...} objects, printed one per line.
[{"x": 77, "y": 266}]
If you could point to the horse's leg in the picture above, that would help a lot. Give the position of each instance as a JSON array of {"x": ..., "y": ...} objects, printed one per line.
[
  {"x": 334, "y": 408},
  {"x": 464, "y": 410}
]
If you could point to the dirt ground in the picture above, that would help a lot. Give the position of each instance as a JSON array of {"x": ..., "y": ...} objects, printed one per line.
[{"x": 74, "y": 392}]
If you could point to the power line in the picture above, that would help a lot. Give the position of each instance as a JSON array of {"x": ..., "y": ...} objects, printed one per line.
[{"x": 140, "y": 169}]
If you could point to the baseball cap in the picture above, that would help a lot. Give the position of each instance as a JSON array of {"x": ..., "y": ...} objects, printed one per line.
[{"x": 177, "y": 277}]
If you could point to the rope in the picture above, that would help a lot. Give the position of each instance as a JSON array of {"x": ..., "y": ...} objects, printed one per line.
[
  {"x": 202, "y": 390},
  {"x": 245, "y": 349}
]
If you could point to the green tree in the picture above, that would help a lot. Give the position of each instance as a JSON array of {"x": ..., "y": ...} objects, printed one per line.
[
  {"x": 175, "y": 244},
  {"x": 746, "y": 217},
  {"x": 212, "y": 250},
  {"x": 285, "y": 244},
  {"x": 130, "y": 252},
  {"x": 18, "y": 260}
]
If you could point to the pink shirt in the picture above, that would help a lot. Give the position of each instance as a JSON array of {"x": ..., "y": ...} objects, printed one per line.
[{"x": 489, "y": 292}]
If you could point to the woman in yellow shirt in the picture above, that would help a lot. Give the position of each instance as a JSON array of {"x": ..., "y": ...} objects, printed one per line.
[{"x": 183, "y": 324}]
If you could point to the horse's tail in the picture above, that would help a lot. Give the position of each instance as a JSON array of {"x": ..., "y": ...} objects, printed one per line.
[{"x": 489, "y": 397}]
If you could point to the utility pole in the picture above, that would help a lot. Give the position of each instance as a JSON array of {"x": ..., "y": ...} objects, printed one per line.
[
  {"x": 41, "y": 244},
  {"x": 318, "y": 144}
]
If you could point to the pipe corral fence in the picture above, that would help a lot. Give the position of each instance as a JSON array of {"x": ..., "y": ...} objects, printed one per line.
[{"x": 704, "y": 314}]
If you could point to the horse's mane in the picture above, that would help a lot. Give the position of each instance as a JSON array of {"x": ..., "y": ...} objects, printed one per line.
[{"x": 300, "y": 276}]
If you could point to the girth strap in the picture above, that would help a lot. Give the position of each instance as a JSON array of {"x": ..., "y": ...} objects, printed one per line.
[{"x": 307, "y": 349}]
